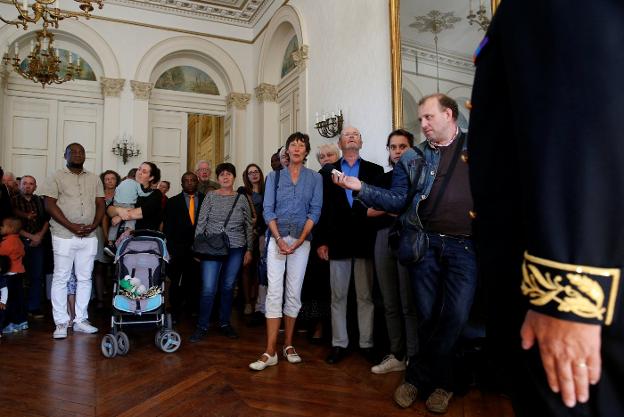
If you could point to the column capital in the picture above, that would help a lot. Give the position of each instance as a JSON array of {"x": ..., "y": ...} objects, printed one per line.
[
  {"x": 266, "y": 93},
  {"x": 111, "y": 87},
  {"x": 239, "y": 100},
  {"x": 141, "y": 90},
  {"x": 300, "y": 56}
]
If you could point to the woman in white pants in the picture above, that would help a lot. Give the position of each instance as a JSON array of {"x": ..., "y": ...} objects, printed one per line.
[{"x": 292, "y": 206}]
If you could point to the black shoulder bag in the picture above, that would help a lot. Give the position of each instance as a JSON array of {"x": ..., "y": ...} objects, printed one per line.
[
  {"x": 410, "y": 242},
  {"x": 215, "y": 245}
]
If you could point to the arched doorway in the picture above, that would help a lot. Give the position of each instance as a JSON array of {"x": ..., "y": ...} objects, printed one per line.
[{"x": 192, "y": 83}]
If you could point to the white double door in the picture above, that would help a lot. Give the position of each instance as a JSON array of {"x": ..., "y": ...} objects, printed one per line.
[
  {"x": 37, "y": 130},
  {"x": 168, "y": 145}
]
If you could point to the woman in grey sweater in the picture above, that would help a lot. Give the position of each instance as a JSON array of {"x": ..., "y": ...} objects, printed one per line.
[{"x": 220, "y": 273}]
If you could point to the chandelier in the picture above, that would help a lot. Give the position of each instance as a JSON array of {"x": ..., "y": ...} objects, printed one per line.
[
  {"x": 49, "y": 12},
  {"x": 44, "y": 62},
  {"x": 479, "y": 16},
  {"x": 435, "y": 22},
  {"x": 328, "y": 125}
]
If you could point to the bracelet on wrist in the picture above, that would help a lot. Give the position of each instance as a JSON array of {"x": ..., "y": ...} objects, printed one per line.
[{"x": 277, "y": 238}]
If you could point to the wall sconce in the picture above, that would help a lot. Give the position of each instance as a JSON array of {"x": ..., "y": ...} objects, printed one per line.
[
  {"x": 126, "y": 148},
  {"x": 329, "y": 125}
]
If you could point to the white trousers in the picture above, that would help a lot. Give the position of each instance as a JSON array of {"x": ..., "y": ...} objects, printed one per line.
[
  {"x": 78, "y": 252},
  {"x": 295, "y": 266}
]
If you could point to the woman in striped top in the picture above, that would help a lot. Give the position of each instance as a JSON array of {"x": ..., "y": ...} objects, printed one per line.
[{"x": 221, "y": 273}]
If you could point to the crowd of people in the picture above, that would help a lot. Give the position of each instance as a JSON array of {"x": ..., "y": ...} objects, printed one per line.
[{"x": 296, "y": 240}]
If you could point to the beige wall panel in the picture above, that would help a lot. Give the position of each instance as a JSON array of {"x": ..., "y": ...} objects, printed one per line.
[
  {"x": 27, "y": 164},
  {"x": 166, "y": 142},
  {"x": 30, "y": 133}
]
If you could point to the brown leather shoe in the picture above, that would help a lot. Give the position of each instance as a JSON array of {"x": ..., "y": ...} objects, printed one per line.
[
  {"x": 405, "y": 394},
  {"x": 438, "y": 401}
]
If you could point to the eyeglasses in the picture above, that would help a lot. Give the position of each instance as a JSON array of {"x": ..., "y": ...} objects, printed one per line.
[
  {"x": 253, "y": 172},
  {"x": 398, "y": 147},
  {"x": 351, "y": 134}
]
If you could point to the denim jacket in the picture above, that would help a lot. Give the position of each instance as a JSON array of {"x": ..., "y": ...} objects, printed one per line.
[{"x": 418, "y": 166}]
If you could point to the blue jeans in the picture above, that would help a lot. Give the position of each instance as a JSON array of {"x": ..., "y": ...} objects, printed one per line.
[
  {"x": 221, "y": 275},
  {"x": 444, "y": 284},
  {"x": 33, "y": 261}
]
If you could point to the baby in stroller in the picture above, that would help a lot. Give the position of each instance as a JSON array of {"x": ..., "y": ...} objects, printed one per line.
[{"x": 139, "y": 294}]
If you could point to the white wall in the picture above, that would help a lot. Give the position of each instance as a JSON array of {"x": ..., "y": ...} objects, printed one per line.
[{"x": 349, "y": 66}]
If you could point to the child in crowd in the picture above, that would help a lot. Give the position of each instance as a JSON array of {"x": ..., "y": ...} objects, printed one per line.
[
  {"x": 126, "y": 195},
  {"x": 4, "y": 293},
  {"x": 12, "y": 247}
]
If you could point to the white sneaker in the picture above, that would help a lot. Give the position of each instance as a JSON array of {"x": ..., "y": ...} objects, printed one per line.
[
  {"x": 389, "y": 364},
  {"x": 84, "y": 327},
  {"x": 260, "y": 365},
  {"x": 61, "y": 331}
]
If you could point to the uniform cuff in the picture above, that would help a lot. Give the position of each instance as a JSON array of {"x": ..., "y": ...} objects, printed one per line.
[{"x": 571, "y": 292}]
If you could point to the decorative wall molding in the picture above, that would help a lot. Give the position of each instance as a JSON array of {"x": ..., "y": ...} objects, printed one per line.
[
  {"x": 300, "y": 56},
  {"x": 266, "y": 93},
  {"x": 244, "y": 13},
  {"x": 112, "y": 87},
  {"x": 239, "y": 100},
  {"x": 417, "y": 53},
  {"x": 141, "y": 90}
]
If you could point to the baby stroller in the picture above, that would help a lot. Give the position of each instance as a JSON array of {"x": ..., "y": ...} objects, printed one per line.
[{"x": 141, "y": 258}]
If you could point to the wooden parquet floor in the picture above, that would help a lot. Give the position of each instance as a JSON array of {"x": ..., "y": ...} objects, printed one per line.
[{"x": 43, "y": 377}]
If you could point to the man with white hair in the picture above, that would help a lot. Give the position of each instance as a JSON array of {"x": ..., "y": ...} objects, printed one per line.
[
  {"x": 346, "y": 238},
  {"x": 203, "y": 172},
  {"x": 11, "y": 183}
]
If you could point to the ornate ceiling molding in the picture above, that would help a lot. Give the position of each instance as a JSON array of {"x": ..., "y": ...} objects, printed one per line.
[
  {"x": 244, "y": 13},
  {"x": 111, "y": 87},
  {"x": 411, "y": 51}
]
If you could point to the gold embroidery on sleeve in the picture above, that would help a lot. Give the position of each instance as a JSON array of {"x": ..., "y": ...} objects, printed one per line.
[{"x": 576, "y": 289}]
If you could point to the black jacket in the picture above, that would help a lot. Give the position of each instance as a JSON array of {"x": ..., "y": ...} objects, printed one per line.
[
  {"x": 347, "y": 231},
  {"x": 178, "y": 228}
]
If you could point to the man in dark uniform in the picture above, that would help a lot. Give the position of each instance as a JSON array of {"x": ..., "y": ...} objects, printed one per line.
[{"x": 547, "y": 173}]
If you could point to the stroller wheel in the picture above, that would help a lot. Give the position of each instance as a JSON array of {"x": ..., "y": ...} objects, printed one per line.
[
  {"x": 157, "y": 337},
  {"x": 123, "y": 343},
  {"x": 109, "y": 346},
  {"x": 169, "y": 341}
]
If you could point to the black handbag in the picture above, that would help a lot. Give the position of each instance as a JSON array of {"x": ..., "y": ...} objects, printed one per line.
[
  {"x": 214, "y": 245},
  {"x": 410, "y": 242}
]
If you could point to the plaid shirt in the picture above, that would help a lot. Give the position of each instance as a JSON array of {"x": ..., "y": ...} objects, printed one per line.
[{"x": 35, "y": 205}]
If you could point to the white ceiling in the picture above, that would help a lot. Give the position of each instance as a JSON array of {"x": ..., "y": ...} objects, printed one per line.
[
  {"x": 244, "y": 13},
  {"x": 463, "y": 39}
]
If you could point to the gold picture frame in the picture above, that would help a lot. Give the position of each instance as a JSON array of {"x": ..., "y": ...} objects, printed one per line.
[{"x": 395, "y": 60}]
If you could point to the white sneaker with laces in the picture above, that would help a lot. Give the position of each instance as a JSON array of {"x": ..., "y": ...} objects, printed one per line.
[
  {"x": 84, "y": 327},
  {"x": 61, "y": 331},
  {"x": 389, "y": 364}
]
